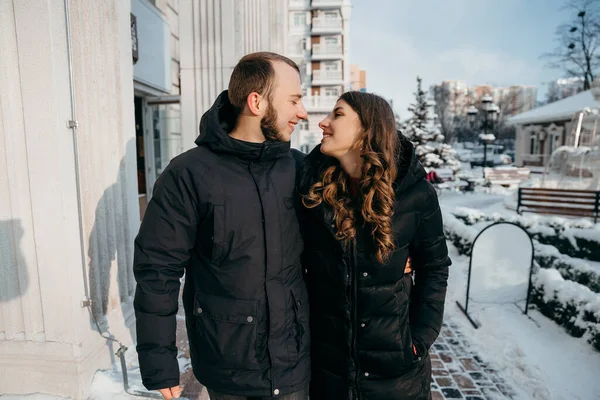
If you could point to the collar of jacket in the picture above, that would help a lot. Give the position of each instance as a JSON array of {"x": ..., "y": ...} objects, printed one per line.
[{"x": 218, "y": 122}]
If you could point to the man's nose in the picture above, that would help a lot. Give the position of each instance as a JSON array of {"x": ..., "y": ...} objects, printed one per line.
[{"x": 302, "y": 114}]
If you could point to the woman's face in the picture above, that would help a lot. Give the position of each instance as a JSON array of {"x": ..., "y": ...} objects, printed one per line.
[{"x": 342, "y": 131}]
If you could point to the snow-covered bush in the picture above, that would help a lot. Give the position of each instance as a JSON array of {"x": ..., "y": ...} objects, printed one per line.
[
  {"x": 572, "y": 269},
  {"x": 571, "y": 305},
  {"x": 575, "y": 238}
]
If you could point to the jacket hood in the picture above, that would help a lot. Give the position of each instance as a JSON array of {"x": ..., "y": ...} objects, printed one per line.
[
  {"x": 410, "y": 170},
  {"x": 219, "y": 121}
]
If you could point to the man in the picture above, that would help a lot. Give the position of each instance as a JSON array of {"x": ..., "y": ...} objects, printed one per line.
[{"x": 224, "y": 213}]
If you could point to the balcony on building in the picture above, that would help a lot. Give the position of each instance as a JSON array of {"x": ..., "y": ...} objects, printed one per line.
[
  {"x": 319, "y": 103},
  {"x": 326, "y": 4},
  {"x": 327, "y": 77},
  {"x": 326, "y": 25},
  {"x": 327, "y": 51}
]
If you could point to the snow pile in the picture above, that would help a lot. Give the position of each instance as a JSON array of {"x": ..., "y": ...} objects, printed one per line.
[
  {"x": 570, "y": 304},
  {"x": 108, "y": 384},
  {"x": 573, "y": 269},
  {"x": 535, "y": 355}
]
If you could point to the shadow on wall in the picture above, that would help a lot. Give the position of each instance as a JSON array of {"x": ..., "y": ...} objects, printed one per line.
[
  {"x": 110, "y": 252},
  {"x": 14, "y": 279}
]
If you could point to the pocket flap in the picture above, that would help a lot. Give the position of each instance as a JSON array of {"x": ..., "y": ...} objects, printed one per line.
[{"x": 225, "y": 308}]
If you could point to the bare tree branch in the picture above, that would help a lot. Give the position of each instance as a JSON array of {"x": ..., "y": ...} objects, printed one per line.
[{"x": 577, "y": 50}]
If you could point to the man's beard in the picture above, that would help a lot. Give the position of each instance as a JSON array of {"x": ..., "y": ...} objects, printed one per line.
[{"x": 268, "y": 125}]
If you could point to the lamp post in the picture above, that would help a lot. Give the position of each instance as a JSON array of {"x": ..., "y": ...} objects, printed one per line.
[{"x": 490, "y": 115}]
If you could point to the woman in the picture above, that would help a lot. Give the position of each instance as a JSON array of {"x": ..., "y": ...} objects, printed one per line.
[{"x": 366, "y": 207}]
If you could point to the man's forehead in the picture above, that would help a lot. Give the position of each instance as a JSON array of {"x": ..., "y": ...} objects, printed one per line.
[{"x": 283, "y": 69}]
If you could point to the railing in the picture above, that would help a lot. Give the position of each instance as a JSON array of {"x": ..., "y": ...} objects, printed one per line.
[
  {"x": 321, "y": 102},
  {"x": 327, "y": 3},
  {"x": 327, "y": 49},
  {"x": 320, "y": 23},
  {"x": 326, "y": 75}
]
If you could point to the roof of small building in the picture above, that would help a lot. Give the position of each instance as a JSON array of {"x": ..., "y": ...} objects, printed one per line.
[{"x": 561, "y": 110}]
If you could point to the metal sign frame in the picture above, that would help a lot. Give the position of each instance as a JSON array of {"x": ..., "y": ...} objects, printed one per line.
[{"x": 466, "y": 306}]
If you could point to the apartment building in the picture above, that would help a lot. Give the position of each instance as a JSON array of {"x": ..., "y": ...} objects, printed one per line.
[
  {"x": 358, "y": 78},
  {"x": 456, "y": 97},
  {"x": 453, "y": 95},
  {"x": 563, "y": 88},
  {"x": 318, "y": 42},
  {"x": 515, "y": 99}
]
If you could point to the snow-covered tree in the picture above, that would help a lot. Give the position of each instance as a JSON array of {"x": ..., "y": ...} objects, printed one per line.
[{"x": 424, "y": 132}]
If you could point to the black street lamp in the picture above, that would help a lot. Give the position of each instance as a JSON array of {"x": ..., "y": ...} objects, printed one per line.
[{"x": 490, "y": 115}]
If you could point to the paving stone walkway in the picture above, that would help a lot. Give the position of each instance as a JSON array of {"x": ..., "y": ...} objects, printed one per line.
[{"x": 459, "y": 373}]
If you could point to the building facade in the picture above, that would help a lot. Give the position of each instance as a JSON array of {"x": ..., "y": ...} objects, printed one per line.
[
  {"x": 563, "y": 88},
  {"x": 453, "y": 96},
  {"x": 358, "y": 78},
  {"x": 97, "y": 97},
  {"x": 318, "y": 41}
]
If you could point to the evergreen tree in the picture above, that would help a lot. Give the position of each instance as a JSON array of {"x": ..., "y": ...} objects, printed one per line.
[{"x": 424, "y": 132}]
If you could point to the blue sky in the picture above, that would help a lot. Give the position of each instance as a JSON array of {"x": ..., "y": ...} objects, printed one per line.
[{"x": 477, "y": 41}]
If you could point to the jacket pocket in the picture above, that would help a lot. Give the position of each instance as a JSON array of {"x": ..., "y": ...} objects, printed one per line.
[
  {"x": 410, "y": 356},
  {"x": 301, "y": 328},
  {"x": 226, "y": 331}
]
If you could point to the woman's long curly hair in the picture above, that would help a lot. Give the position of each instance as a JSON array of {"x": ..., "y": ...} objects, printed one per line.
[{"x": 380, "y": 149}]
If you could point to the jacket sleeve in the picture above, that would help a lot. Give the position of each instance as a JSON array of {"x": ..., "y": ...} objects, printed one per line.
[
  {"x": 161, "y": 252},
  {"x": 430, "y": 262}
]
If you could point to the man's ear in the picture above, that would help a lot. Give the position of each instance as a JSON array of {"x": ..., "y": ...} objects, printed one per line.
[{"x": 255, "y": 103}]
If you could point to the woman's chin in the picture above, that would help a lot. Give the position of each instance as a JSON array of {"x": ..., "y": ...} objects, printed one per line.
[{"x": 324, "y": 149}]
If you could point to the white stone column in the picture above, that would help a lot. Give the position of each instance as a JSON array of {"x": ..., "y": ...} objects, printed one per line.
[{"x": 45, "y": 334}]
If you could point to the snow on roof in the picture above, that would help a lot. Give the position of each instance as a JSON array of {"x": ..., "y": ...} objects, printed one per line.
[{"x": 561, "y": 110}]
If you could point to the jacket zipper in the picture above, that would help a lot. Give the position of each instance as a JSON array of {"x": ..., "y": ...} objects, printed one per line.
[
  {"x": 354, "y": 323},
  {"x": 266, "y": 292}
]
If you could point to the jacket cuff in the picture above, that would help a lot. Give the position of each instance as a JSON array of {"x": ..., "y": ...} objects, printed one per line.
[{"x": 156, "y": 385}]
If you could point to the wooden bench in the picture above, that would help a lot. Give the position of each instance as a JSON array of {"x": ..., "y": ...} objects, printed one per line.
[
  {"x": 576, "y": 203},
  {"x": 506, "y": 176}
]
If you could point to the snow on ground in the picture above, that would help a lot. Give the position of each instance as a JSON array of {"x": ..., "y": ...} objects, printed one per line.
[
  {"x": 108, "y": 384},
  {"x": 534, "y": 354}
]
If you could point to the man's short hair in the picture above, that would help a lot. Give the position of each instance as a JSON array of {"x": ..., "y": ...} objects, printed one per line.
[{"x": 254, "y": 73}]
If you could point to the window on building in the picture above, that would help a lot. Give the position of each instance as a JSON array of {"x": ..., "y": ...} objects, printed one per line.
[
  {"x": 331, "y": 40},
  {"x": 331, "y": 14},
  {"x": 299, "y": 19},
  {"x": 532, "y": 144},
  {"x": 330, "y": 66},
  {"x": 332, "y": 92}
]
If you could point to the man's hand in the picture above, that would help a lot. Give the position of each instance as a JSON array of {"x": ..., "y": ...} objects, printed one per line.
[
  {"x": 171, "y": 393},
  {"x": 407, "y": 267}
]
